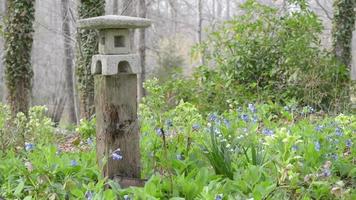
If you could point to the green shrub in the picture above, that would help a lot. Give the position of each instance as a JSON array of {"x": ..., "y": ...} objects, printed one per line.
[
  {"x": 263, "y": 56},
  {"x": 18, "y": 130}
]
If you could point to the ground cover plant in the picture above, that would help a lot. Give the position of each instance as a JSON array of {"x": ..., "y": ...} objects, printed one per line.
[
  {"x": 254, "y": 127},
  {"x": 262, "y": 151}
]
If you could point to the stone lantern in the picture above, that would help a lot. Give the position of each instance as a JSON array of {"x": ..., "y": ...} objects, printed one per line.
[{"x": 115, "y": 69}]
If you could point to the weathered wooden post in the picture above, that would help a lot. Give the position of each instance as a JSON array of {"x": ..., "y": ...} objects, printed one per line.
[{"x": 115, "y": 69}]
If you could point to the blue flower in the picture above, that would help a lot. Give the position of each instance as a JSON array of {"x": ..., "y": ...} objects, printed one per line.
[
  {"x": 116, "y": 155},
  {"x": 334, "y": 156},
  {"x": 213, "y": 117},
  {"x": 326, "y": 172},
  {"x": 245, "y": 117},
  {"x": 252, "y": 108},
  {"x": 73, "y": 163},
  {"x": 90, "y": 141},
  {"x": 295, "y": 148},
  {"x": 338, "y": 132},
  {"x": 286, "y": 108},
  {"x": 267, "y": 132},
  {"x": 180, "y": 157},
  {"x": 196, "y": 127},
  {"x": 89, "y": 195},
  {"x": 29, "y": 146},
  {"x": 255, "y": 119},
  {"x": 348, "y": 143},
  {"x": 58, "y": 152},
  {"x": 159, "y": 131},
  {"x": 219, "y": 197},
  {"x": 227, "y": 123},
  {"x": 127, "y": 197},
  {"x": 319, "y": 128},
  {"x": 317, "y": 146},
  {"x": 169, "y": 123}
]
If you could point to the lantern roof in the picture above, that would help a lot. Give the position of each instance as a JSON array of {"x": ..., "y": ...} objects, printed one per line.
[{"x": 113, "y": 22}]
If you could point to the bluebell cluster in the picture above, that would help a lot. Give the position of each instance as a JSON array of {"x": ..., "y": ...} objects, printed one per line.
[{"x": 267, "y": 132}]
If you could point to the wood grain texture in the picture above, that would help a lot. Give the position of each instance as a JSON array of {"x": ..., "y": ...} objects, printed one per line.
[{"x": 117, "y": 124}]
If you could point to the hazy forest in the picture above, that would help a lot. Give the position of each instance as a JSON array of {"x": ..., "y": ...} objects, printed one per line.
[{"x": 178, "y": 99}]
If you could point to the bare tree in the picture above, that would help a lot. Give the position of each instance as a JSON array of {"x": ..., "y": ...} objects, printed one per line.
[
  {"x": 227, "y": 16},
  {"x": 142, "y": 49},
  {"x": 200, "y": 26},
  {"x": 69, "y": 57}
]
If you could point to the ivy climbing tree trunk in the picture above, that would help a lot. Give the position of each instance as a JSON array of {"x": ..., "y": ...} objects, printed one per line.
[
  {"x": 18, "y": 37},
  {"x": 86, "y": 48},
  {"x": 343, "y": 26}
]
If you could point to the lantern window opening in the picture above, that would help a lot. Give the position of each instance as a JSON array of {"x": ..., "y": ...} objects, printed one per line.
[{"x": 119, "y": 41}]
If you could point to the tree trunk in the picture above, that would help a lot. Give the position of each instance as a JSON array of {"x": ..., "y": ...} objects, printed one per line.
[
  {"x": 353, "y": 71},
  {"x": 86, "y": 48},
  {"x": 343, "y": 26},
  {"x": 219, "y": 9},
  {"x": 200, "y": 27},
  {"x": 69, "y": 57},
  {"x": 227, "y": 10},
  {"x": 142, "y": 50},
  {"x": 17, "y": 58},
  {"x": 174, "y": 15}
]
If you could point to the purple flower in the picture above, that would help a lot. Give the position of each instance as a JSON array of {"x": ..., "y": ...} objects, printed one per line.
[
  {"x": 252, "y": 108},
  {"x": 73, "y": 163},
  {"x": 89, "y": 195},
  {"x": 348, "y": 143},
  {"x": 245, "y": 117},
  {"x": 219, "y": 197},
  {"x": 317, "y": 146},
  {"x": 116, "y": 155},
  {"x": 267, "y": 132},
  {"x": 29, "y": 146}
]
